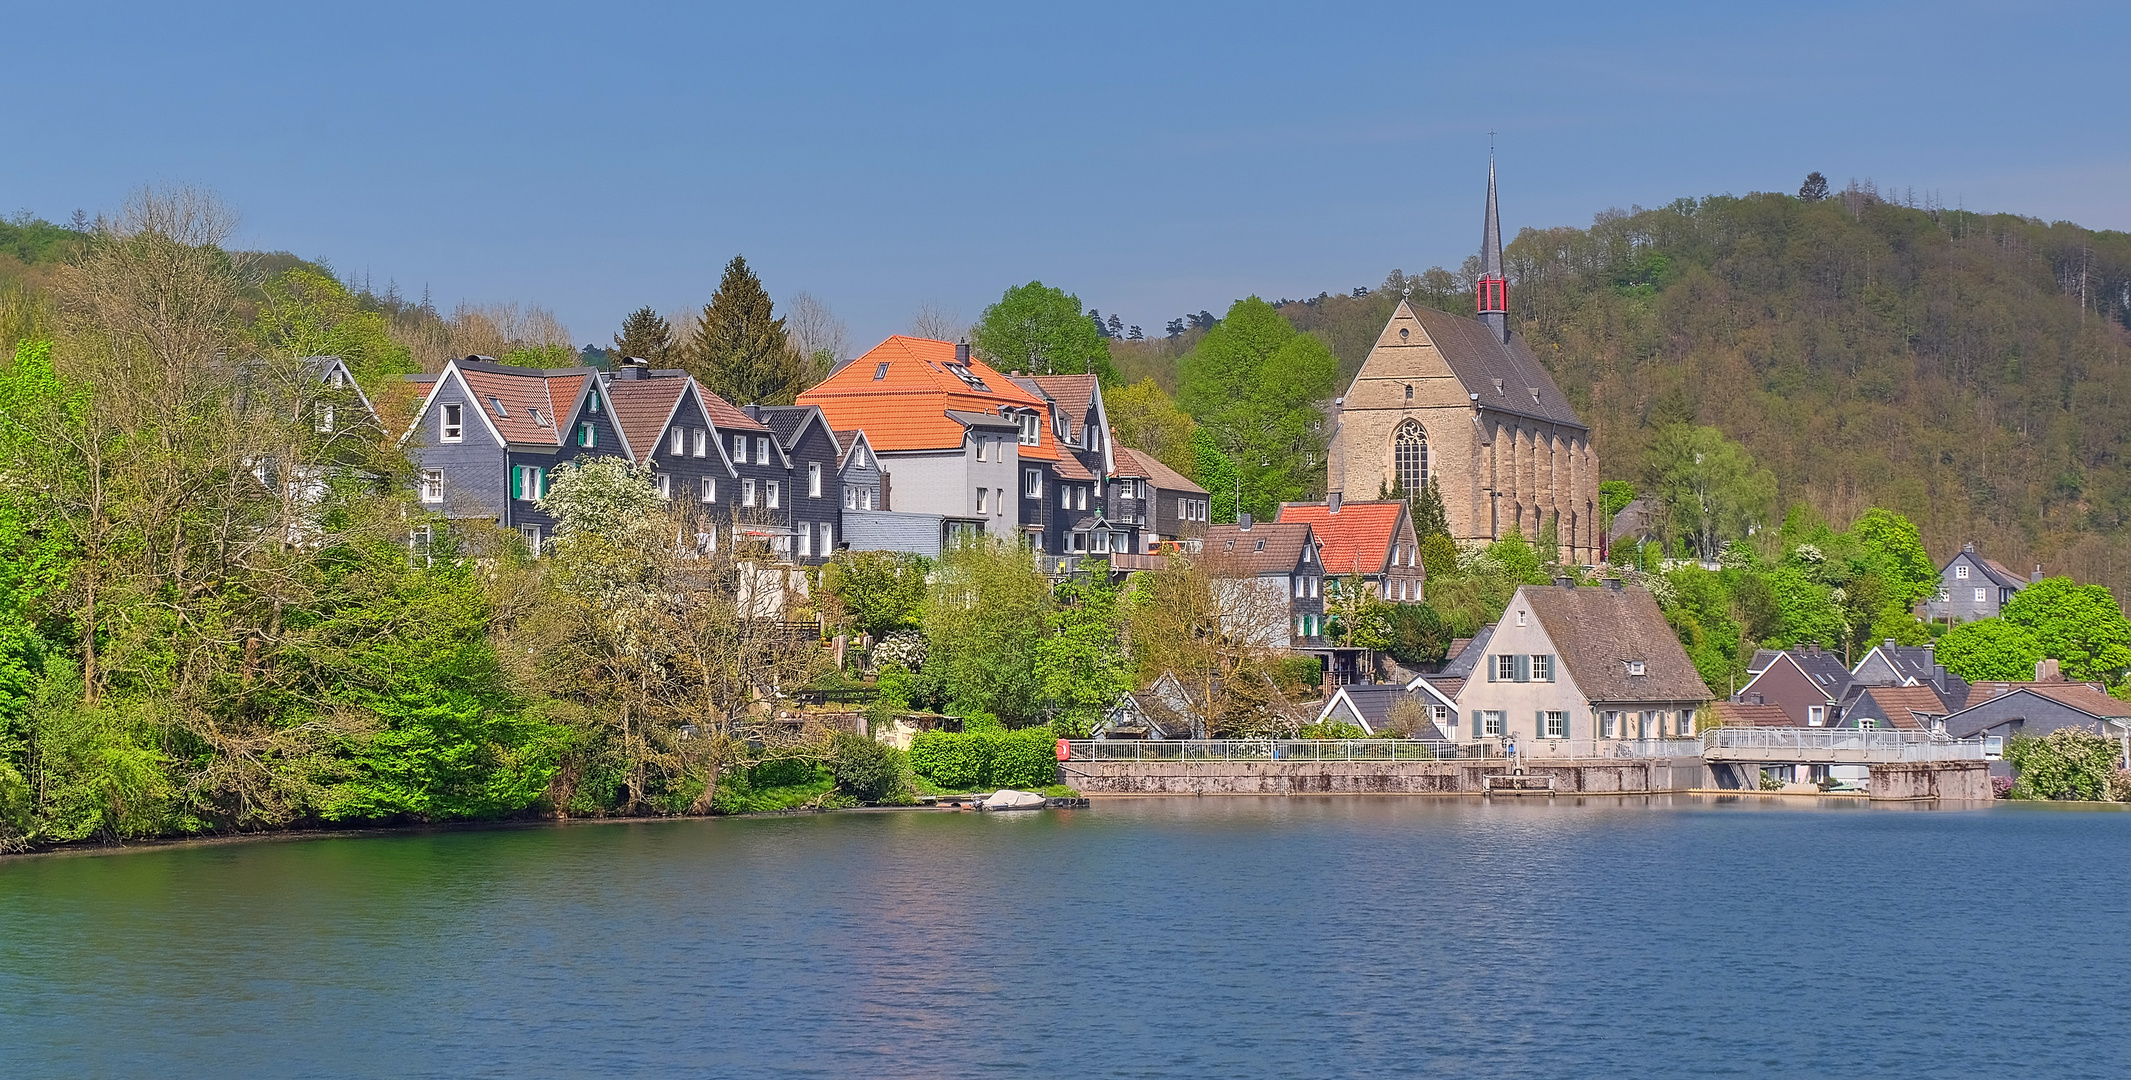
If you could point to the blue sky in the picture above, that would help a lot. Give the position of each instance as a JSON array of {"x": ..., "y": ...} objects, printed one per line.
[{"x": 1152, "y": 158}]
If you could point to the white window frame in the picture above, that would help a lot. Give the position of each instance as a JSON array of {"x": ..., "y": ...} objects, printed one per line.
[
  {"x": 828, "y": 539},
  {"x": 680, "y": 442},
  {"x": 806, "y": 542},
  {"x": 1982, "y": 596},
  {"x": 747, "y": 492},
  {"x": 1816, "y": 716},
  {"x": 702, "y": 443},
  {"x": 980, "y": 441},
  {"x": 762, "y": 450},
  {"x": 587, "y": 435},
  {"x": 665, "y": 485},
  {"x": 325, "y": 417},
  {"x": 1032, "y": 483},
  {"x": 1505, "y": 667},
  {"x": 1065, "y": 496},
  {"x": 1031, "y": 426},
  {"x": 772, "y": 494},
  {"x": 1960, "y": 572},
  {"x": 865, "y": 498},
  {"x": 980, "y": 502},
  {"x": 1081, "y": 498},
  {"x": 739, "y": 449},
  {"x": 850, "y": 497},
  {"x": 451, "y": 422},
  {"x": 432, "y": 485},
  {"x": 1542, "y": 667},
  {"x": 1491, "y": 723},
  {"x": 710, "y": 489},
  {"x": 1609, "y": 724},
  {"x": 533, "y": 538},
  {"x": 814, "y": 480},
  {"x": 1554, "y": 724}
]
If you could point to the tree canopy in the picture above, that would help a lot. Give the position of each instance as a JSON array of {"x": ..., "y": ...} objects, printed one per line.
[
  {"x": 1257, "y": 386},
  {"x": 740, "y": 350},
  {"x": 1042, "y": 330}
]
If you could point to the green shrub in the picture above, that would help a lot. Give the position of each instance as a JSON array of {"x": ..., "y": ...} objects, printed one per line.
[
  {"x": 866, "y": 770},
  {"x": 1333, "y": 729},
  {"x": 969, "y": 761},
  {"x": 772, "y": 785},
  {"x": 2068, "y": 763}
]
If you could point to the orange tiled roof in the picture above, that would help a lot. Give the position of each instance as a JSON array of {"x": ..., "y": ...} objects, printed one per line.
[
  {"x": 526, "y": 406},
  {"x": 906, "y": 407},
  {"x": 1357, "y": 540},
  {"x": 1075, "y": 395}
]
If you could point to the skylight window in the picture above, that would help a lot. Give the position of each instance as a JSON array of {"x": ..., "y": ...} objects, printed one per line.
[
  {"x": 498, "y": 404},
  {"x": 967, "y": 376},
  {"x": 880, "y": 371}
]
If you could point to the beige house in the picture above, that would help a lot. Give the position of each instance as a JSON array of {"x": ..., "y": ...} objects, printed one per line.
[
  {"x": 1464, "y": 403},
  {"x": 1579, "y": 665}
]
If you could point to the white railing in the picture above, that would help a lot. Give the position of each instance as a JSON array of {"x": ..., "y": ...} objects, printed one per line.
[
  {"x": 1838, "y": 744},
  {"x": 1210, "y": 750}
]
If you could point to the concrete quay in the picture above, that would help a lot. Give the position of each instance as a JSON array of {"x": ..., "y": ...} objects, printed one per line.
[{"x": 1950, "y": 780}]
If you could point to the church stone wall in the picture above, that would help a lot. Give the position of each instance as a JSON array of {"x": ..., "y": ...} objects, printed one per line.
[{"x": 1496, "y": 471}]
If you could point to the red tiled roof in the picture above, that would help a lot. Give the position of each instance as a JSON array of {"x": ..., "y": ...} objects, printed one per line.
[
  {"x": 906, "y": 407},
  {"x": 1907, "y": 706},
  {"x": 1069, "y": 467},
  {"x": 1075, "y": 395},
  {"x": 2085, "y": 697},
  {"x": 641, "y": 408},
  {"x": 728, "y": 416},
  {"x": 1264, "y": 548},
  {"x": 520, "y": 395},
  {"x": 1357, "y": 540}
]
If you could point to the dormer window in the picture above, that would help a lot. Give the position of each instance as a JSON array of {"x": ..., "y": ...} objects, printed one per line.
[
  {"x": 1031, "y": 427},
  {"x": 1635, "y": 667}
]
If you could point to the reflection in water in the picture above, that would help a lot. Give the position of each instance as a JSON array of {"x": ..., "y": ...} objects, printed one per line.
[{"x": 1157, "y": 937}]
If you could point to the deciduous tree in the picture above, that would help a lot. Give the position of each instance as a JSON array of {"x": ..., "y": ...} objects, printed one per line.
[{"x": 1040, "y": 329}]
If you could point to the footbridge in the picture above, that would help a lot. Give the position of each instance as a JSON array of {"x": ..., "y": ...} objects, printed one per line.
[{"x": 1885, "y": 764}]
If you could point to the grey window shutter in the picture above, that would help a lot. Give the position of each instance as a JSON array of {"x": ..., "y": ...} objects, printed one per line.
[
  {"x": 1477, "y": 729},
  {"x": 1491, "y": 666},
  {"x": 1539, "y": 724},
  {"x": 1524, "y": 667}
]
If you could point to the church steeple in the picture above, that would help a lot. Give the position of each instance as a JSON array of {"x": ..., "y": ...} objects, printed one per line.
[{"x": 1493, "y": 288}]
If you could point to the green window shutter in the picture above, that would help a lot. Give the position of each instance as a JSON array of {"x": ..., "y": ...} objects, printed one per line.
[
  {"x": 517, "y": 481},
  {"x": 540, "y": 476}
]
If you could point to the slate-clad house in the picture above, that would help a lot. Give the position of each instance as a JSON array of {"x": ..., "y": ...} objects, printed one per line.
[
  {"x": 814, "y": 483},
  {"x": 1177, "y": 509},
  {"x": 864, "y": 485},
  {"x": 953, "y": 437},
  {"x": 1277, "y": 578},
  {"x": 1569, "y": 663},
  {"x": 1972, "y": 587},
  {"x": 1089, "y": 506},
  {"x": 487, "y": 437},
  {"x": 1888, "y": 664},
  {"x": 2005, "y": 709},
  {"x": 1893, "y": 708},
  {"x": 1807, "y": 684},
  {"x": 1374, "y": 540}
]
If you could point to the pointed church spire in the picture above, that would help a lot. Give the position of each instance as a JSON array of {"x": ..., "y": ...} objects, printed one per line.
[{"x": 1493, "y": 288}]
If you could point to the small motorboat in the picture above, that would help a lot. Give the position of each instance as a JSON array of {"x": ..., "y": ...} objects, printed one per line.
[{"x": 1009, "y": 799}]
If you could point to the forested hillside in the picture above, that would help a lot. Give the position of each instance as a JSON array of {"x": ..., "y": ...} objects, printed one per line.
[{"x": 1970, "y": 371}]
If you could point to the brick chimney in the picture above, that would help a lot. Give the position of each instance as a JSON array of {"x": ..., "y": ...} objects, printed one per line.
[{"x": 2048, "y": 671}]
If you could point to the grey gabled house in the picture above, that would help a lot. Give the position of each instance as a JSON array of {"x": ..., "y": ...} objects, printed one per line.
[
  {"x": 487, "y": 438},
  {"x": 1972, "y": 587}
]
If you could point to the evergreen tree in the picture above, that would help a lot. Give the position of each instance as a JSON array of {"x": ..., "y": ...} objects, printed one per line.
[
  {"x": 1117, "y": 326},
  {"x": 740, "y": 351},
  {"x": 1815, "y": 187},
  {"x": 1428, "y": 516},
  {"x": 646, "y": 335}
]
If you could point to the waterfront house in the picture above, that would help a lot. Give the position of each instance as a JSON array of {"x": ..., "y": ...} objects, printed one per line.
[
  {"x": 2005, "y": 709},
  {"x": 1749, "y": 714},
  {"x": 1370, "y": 708},
  {"x": 1888, "y": 664},
  {"x": 814, "y": 482},
  {"x": 486, "y": 438},
  {"x": 1892, "y": 708},
  {"x": 1808, "y": 684},
  {"x": 1270, "y": 582},
  {"x": 1581, "y": 663},
  {"x": 1178, "y": 510},
  {"x": 1972, "y": 587},
  {"x": 1372, "y": 541},
  {"x": 1166, "y": 709}
]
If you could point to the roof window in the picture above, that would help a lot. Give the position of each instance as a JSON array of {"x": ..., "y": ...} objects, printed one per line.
[
  {"x": 1635, "y": 667},
  {"x": 880, "y": 371},
  {"x": 498, "y": 403},
  {"x": 967, "y": 376}
]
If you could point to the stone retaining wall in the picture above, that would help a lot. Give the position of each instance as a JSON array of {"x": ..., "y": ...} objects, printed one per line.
[
  {"x": 1369, "y": 777},
  {"x": 1964, "y": 781}
]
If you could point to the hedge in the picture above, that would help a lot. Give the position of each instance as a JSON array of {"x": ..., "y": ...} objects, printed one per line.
[{"x": 1024, "y": 759}]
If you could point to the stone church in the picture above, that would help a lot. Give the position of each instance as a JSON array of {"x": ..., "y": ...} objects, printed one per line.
[{"x": 1463, "y": 402}]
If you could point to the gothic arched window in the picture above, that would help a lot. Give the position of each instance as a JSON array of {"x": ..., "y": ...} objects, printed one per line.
[{"x": 1409, "y": 456}]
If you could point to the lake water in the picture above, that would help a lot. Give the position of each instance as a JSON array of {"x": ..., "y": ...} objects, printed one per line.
[{"x": 1140, "y": 938}]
